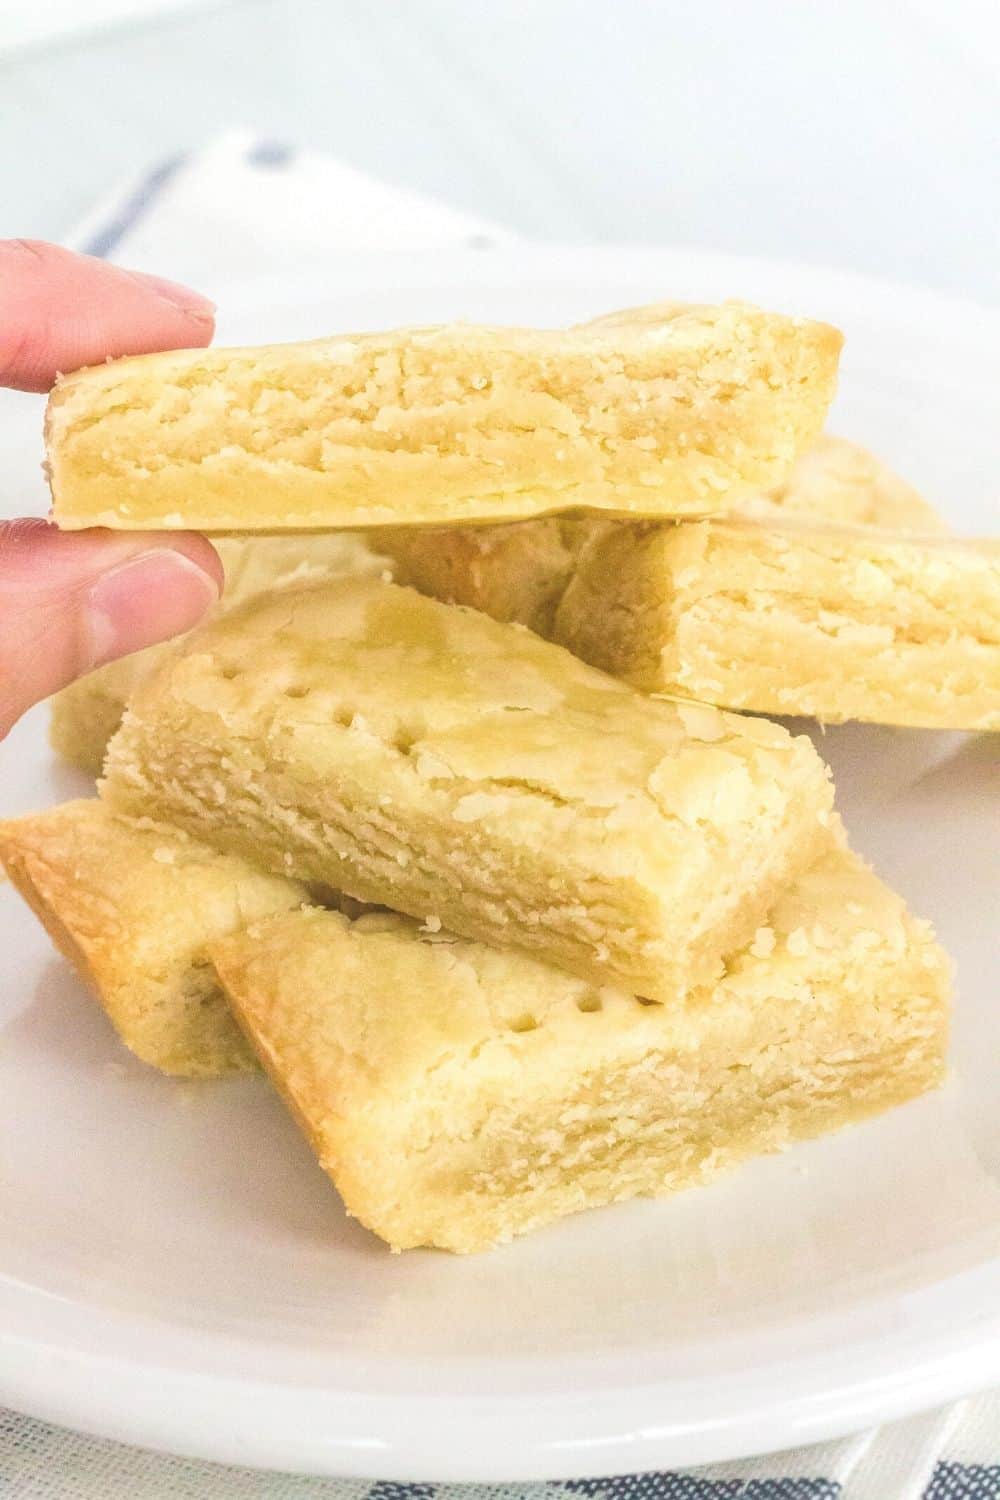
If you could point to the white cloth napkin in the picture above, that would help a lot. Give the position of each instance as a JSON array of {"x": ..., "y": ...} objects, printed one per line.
[{"x": 244, "y": 206}]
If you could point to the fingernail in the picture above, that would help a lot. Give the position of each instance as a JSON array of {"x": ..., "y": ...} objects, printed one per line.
[
  {"x": 144, "y": 600},
  {"x": 192, "y": 303}
]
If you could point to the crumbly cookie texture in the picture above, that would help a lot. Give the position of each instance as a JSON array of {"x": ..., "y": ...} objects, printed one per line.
[
  {"x": 837, "y": 480},
  {"x": 459, "y": 1095},
  {"x": 845, "y": 600},
  {"x": 837, "y": 622},
  {"x": 520, "y": 571},
  {"x": 86, "y": 714},
  {"x": 517, "y": 572},
  {"x": 664, "y": 410},
  {"x": 132, "y": 903},
  {"x": 424, "y": 757}
]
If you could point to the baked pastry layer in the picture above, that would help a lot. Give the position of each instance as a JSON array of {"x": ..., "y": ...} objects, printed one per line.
[
  {"x": 520, "y": 571},
  {"x": 132, "y": 903},
  {"x": 516, "y": 573},
  {"x": 86, "y": 714},
  {"x": 459, "y": 1095},
  {"x": 844, "y": 601},
  {"x": 838, "y": 480},
  {"x": 840, "y": 623},
  {"x": 419, "y": 756},
  {"x": 664, "y": 410}
]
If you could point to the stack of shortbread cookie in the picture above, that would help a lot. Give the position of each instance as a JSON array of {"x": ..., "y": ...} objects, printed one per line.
[{"x": 512, "y": 935}]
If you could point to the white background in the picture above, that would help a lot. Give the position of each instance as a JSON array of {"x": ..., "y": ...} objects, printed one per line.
[{"x": 862, "y": 133}]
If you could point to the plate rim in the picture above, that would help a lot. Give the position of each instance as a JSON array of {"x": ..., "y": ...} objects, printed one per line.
[{"x": 254, "y": 1424}]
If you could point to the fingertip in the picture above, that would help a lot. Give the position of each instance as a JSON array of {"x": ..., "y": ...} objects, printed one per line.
[
  {"x": 198, "y": 549},
  {"x": 59, "y": 310},
  {"x": 198, "y": 310},
  {"x": 70, "y": 601},
  {"x": 147, "y": 599}
]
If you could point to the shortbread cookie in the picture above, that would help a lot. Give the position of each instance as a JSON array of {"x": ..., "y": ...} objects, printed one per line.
[
  {"x": 797, "y": 614},
  {"x": 459, "y": 1095},
  {"x": 837, "y": 480},
  {"x": 86, "y": 714},
  {"x": 517, "y": 572},
  {"x": 520, "y": 571},
  {"x": 132, "y": 903},
  {"x": 427, "y": 758},
  {"x": 656, "y": 411},
  {"x": 797, "y": 618}
]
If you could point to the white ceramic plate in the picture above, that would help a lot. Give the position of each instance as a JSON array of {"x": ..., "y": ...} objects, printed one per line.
[{"x": 175, "y": 1270}]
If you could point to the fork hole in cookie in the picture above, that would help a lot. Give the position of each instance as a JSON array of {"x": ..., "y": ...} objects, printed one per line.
[
  {"x": 405, "y": 738},
  {"x": 524, "y": 1023},
  {"x": 588, "y": 1004}
]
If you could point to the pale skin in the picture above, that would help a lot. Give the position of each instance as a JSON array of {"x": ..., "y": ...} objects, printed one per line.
[{"x": 71, "y": 601}]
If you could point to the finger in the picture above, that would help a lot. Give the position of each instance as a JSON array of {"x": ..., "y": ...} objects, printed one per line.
[
  {"x": 70, "y": 601},
  {"x": 59, "y": 311}
]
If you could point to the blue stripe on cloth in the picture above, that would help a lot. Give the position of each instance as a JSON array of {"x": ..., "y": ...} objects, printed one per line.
[
  {"x": 964, "y": 1482},
  {"x": 387, "y": 1489},
  {"x": 270, "y": 154},
  {"x": 689, "y": 1487},
  {"x": 132, "y": 210}
]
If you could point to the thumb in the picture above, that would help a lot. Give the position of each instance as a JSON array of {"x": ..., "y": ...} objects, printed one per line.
[{"x": 70, "y": 601}]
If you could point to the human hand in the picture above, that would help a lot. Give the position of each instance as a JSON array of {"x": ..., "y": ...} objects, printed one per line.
[{"x": 70, "y": 601}]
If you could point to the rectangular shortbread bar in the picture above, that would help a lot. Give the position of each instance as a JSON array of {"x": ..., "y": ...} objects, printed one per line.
[
  {"x": 514, "y": 573},
  {"x": 132, "y": 903},
  {"x": 838, "y": 480},
  {"x": 828, "y": 606},
  {"x": 419, "y": 756},
  {"x": 520, "y": 571},
  {"x": 663, "y": 410},
  {"x": 459, "y": 1095},
  {"x": 86, "y": 714},
  {"x": 797, "y": 618}
]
